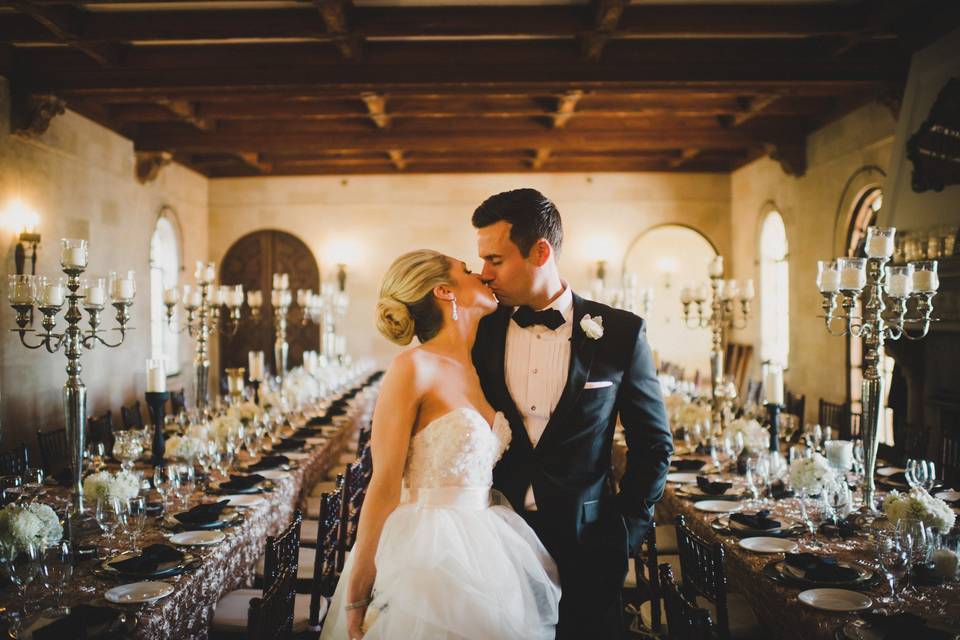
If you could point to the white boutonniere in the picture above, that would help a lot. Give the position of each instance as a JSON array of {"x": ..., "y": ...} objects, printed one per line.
[{"x": 593, "y": 327}]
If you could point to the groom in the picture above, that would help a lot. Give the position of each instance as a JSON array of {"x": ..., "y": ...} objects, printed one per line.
[{"x": 563, "y": 369}]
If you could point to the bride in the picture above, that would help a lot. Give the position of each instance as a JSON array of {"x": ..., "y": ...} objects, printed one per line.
[{"x": 439, "y": 562}]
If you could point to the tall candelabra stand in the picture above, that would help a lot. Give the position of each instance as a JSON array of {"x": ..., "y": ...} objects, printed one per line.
[
  {"x": 281, "y": 299},
  {"x": 846, "y": 281},
  {"x": 91, "y": 296},
  {"x": 203, "y": 304},
  {"x": 334, "y": 303},
  {"x": 724, "y": 313}
]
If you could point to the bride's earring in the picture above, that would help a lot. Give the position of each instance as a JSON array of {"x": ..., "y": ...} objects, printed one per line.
[{"x": 454, "y": 313}]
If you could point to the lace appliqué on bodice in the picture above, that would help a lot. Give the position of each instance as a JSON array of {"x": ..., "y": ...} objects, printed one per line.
[{"x": 458, "y": 449}]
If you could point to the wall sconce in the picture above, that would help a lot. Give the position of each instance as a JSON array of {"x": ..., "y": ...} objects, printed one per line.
[
  {"x": 342, "y": 276},
  {"x": 667, "y": 266},
  {"x": 23, "y": 221}
]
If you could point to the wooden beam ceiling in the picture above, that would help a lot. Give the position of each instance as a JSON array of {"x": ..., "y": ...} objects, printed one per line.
[{"x": 324, "y": 86}]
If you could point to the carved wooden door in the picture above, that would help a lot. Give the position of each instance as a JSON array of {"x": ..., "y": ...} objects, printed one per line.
[{"x": 252, "y": 261}]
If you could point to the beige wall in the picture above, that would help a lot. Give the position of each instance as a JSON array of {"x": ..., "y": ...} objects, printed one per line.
[
  {"x": 383, "y": 216},
  {"x": 843, "y": 158},
  {"x": 79, "y": 177}
]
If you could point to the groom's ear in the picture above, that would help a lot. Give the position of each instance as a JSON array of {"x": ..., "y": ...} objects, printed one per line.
[{"x": 540, "y": 252}]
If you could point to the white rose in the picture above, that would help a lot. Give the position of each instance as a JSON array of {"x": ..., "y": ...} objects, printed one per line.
[{"x": 592, "y": 327}]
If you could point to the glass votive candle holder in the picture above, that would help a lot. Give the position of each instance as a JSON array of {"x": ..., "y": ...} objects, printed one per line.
[
  {"x": 22, "y": 289},
  {"x": 95, "y": 292},
  {"x": 52, "y": 293},
  {"x": 123, "y": 286},
  {"x": 73, "y": 253},
  {"x": 828, "y": 276},
  {"x": 880, "y": 242},
  {"x": 899, "y": 281},
  {"x": 839, "y": 454},
  {"x": 853, "y": 273},
  {"x": 925, "y": 278}
]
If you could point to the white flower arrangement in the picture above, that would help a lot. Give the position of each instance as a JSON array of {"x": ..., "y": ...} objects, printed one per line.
[
  {"x": 187, "y": 448},
  {"x": 122, "y": 485},
  {"x": 755, "y": 437},
  {"x": 225, "y": 428},
  {"x": 593, "y": 327},
  {"x": 270, "y": 399},
  {"x": 919, "y": 504},
  {"x": 245, "y": 411},
  {"x": 693, "y": 413},
  {"x": 22, "y": 525},
  {"x": 811, "y": 475}
]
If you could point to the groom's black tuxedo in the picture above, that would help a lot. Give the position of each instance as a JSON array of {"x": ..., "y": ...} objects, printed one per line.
[{"x": 587, "y": 529}]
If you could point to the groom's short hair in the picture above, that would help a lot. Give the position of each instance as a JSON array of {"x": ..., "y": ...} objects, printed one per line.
[{"x": 531, "y": 213}]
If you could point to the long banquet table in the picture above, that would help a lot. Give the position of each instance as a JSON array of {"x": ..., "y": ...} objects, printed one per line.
[
  {"x": 188, "y": 611},
  {"x": 776, "y": 606}
]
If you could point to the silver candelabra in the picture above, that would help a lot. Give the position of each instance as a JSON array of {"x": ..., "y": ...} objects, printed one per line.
[
  {"x": 723, "y": 314},
  {"x": 203, "y": 304},
  {"x": 846, "y": 281},
  {"x": 91, "y": 296}
]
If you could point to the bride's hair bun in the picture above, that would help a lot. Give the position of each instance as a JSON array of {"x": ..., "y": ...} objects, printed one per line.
[
  {"x": 407, "y": 306},
  {"x": 394, "y": 320}
]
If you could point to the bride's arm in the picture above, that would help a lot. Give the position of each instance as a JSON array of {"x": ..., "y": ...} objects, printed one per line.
[{"x": 393, "y": 421}]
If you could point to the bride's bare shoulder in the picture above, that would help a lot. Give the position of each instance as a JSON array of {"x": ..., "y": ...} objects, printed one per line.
[{"x": 416, "y": 366}]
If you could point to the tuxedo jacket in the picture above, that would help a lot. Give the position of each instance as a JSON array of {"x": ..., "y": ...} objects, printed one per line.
[{"x": 569, "y": 467}]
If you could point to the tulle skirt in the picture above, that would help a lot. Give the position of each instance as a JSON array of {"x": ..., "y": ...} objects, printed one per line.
[{"x": 450, "y": 565}]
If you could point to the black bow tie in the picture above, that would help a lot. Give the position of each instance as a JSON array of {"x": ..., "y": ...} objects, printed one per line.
[{"x": 550, "y": 318}]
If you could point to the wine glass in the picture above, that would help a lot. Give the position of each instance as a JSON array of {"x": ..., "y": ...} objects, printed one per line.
[
  {"x": 136, "y": 519},
  {"x": 186, "y": 482},
  {"x": 931, "y": 476},
  {"x": 838, "y": 499},
  {"x": 910, "y": 472},
  {"x": 108, "y": 513},
  {"x": 893, "y": 555},
  {"x": 164, "y": 482},
  {"x": 811, "y": 510},
  {"x": 32, "y": 483},
  {"x": 921, "y": 474},
  {"x": 9, "y": 488},
  {"x": 95, "y": 452},
  {"x": 56, "y": 570},
  {"x": 920, "y": 539},
  {"x": 127, "y": 448},
  {"x": 21, "y": 565}
]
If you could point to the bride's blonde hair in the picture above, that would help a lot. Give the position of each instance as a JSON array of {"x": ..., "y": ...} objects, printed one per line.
[{"x": 407, "y": 306}]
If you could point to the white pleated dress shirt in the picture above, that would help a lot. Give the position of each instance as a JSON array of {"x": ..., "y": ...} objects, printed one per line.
[{"x": 536, "y": 363}]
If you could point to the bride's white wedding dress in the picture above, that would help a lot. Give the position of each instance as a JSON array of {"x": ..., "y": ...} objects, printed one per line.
[{"x": 450, "y": 564}]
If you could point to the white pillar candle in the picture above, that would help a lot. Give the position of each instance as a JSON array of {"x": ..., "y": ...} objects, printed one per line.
[
  {"x": 195, "y": 298},
  {"x": 73, "y": 256},
  {"x": 123, "y": 289},
  {"x": 879, "y": 246},
  {"x": 156, "y": 377},
  {"x": 284, "y": 281},
  {"x": 252, "y": 299},
  {"x": 213, "y": 296},
  {"x": 925, "y": 281},
  {"x": 773, "y": 386},
  {"x": 255, "y": 360},
  {"x": 731, "y": 289},
  {"x": 96, "y": 295},
  {"x": 852, "y": 278},
  {"x": 748, "y": 292},
  {"x": 275, "y": 297},
  {"x": 53, "y": 295},
  {"x": 839, "y": 454},
  {"x": 211, "y": 272},
  {"x": 276, "y": 281},
  {"x": 702, "y": 293},
  {"x": 899, "y": 285},
  {"x": 170, "y": 296},
  {"x": 716, "y": 267}
]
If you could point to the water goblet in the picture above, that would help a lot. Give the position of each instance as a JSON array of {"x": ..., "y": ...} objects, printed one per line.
[
  {"x": 738, "y": 443},
  {"x": 10, "y": 488},
  {"x": 811, "y": 511},
  {"x": 894, "y": 559},
  {"x": 164, "y": 483},
  {"x": 910, "y": 472},
  {"x": 106, "y": 513},
  {"x": 32, "y": 483},
  {"x": 56, "y": 570},
  {"x": 22, "y": 565},
  {"x": 931, "y": 475},
  {"x": 187, "y": 482},
  {"x": 136, "y": 520}
]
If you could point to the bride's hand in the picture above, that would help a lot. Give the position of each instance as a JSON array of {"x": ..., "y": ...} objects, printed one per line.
[{"x": 355, "y": 623}]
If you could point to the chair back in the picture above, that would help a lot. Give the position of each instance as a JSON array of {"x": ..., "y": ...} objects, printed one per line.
[
  {"x": 130, "y": 416},
  {"x": 836, "y": 416},
  {"x": 916, "y": 443},
  {"x": 270, "y": 617},
  {"x": 794, "y": 404},
  {"x": 327, "y": 561},
  {"x": 701, "y": 565},
  {"x": 950, "y": 458},
  {"x": 646, "y": 557},
  {"x": 14, "y": 462},
  {"x": 54, "y": 453},
  {"x": 355, "y": 489},
  {"x": 283, "y": 551},
  {"x": 685, "y": 620},
  {"x": 178, "y": 402},
  {"x": 100, "y": 429}
]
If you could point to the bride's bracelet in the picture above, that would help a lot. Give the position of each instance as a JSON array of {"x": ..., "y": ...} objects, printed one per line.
[{"x": 359, "y": 604}]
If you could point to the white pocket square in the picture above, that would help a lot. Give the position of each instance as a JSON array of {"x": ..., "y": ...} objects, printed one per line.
[{"x": 599, "y": 384}]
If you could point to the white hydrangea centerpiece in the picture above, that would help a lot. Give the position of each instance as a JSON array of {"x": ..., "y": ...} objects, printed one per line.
[
  {"x": 187, "y": 448},
  {"x": 919, "y": 504},
  {"x": 225, "y": 428},
  {"x": 811, "y": 475},
  {"x": 23, "y": 525},
  {"x": 122, "y": 485},
  {"x": 693, "y": 413},
  {"x": 755, "y": 437},
  {"x": 246, "y": 411}
]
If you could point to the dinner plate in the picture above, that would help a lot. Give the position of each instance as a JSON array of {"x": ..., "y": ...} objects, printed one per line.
[
  {"x": 762, "y": 544},
  {"x": 889, "y": 471},
  {"x": 138, "y": 592},
  {"x": 198, "y": 538},
  {"x": 227, "y": 518},
  {"x": 682, "y": 478},
  {"x": 244, "y": 501},
  {"x": 296, "y": 455},
  {"x": 273, "y": 474},
  {"x": 171, "y": 567},
  {"x": 799, "y": 574},
  {"x": 949, "y": 496},
  {"x": 835, "y": 600},
  {"x": 315, "y": 441},
  {"x": 718, "y": 506}
]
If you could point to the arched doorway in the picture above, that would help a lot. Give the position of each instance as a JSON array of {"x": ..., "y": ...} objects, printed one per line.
[
  {"x": 251, "y": 261},
  {"x": 665, "y": 258}
]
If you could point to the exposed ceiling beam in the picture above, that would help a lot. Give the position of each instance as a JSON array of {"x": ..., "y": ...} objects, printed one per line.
[
  {"x": 65, "y": 25},
  {"x": 540, "y": 158},
  {"x": 335, "y": 17},
  {"x": 255, "y": 161},
  {"x": 566, "y": 105},
  {"x": 751, "y": 108},
  {"x": 685, "y": 156},
  {"x": 187, "y": 113},
  {"x": 606, "y": 16},
  {"x": 398, "y": 159},
  {"x": 376, "y": 108}
]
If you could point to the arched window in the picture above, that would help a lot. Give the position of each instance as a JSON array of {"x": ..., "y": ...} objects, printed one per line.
[
  {"x": 865, "y": 213},
  {"x": 164, "y": 271},
  {"x": 774, "y": 291}
]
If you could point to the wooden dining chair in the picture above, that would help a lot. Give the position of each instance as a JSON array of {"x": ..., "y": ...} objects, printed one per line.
[
  {"x": 794, "y": 404},
  {"x": 916, "y": 443},
  {"x": 950, "y": 459},
  {"x": 836, "y": 416},
  {"x": 231, "y": 616},
  {"x": 685, "y": 620},
  {"x": 54, "y": 452},
  {"x": 131, "y": 417},
  {"x": 642, "y": 586},
  {"x": 271, "y": 616},
  {"x": 100, "y": 429},
  {"x": 14, "y": 462},
  {"x": 704, "y": 582},
  {"x": 355, "y": 489},
  {"x": 178, "y": 402},
  {"x": 326, "y": 569}
]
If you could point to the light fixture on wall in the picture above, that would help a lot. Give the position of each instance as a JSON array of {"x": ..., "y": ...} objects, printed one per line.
[
  {"x": 23, "y": 221},
  {"x": 342, "y": 276}
]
